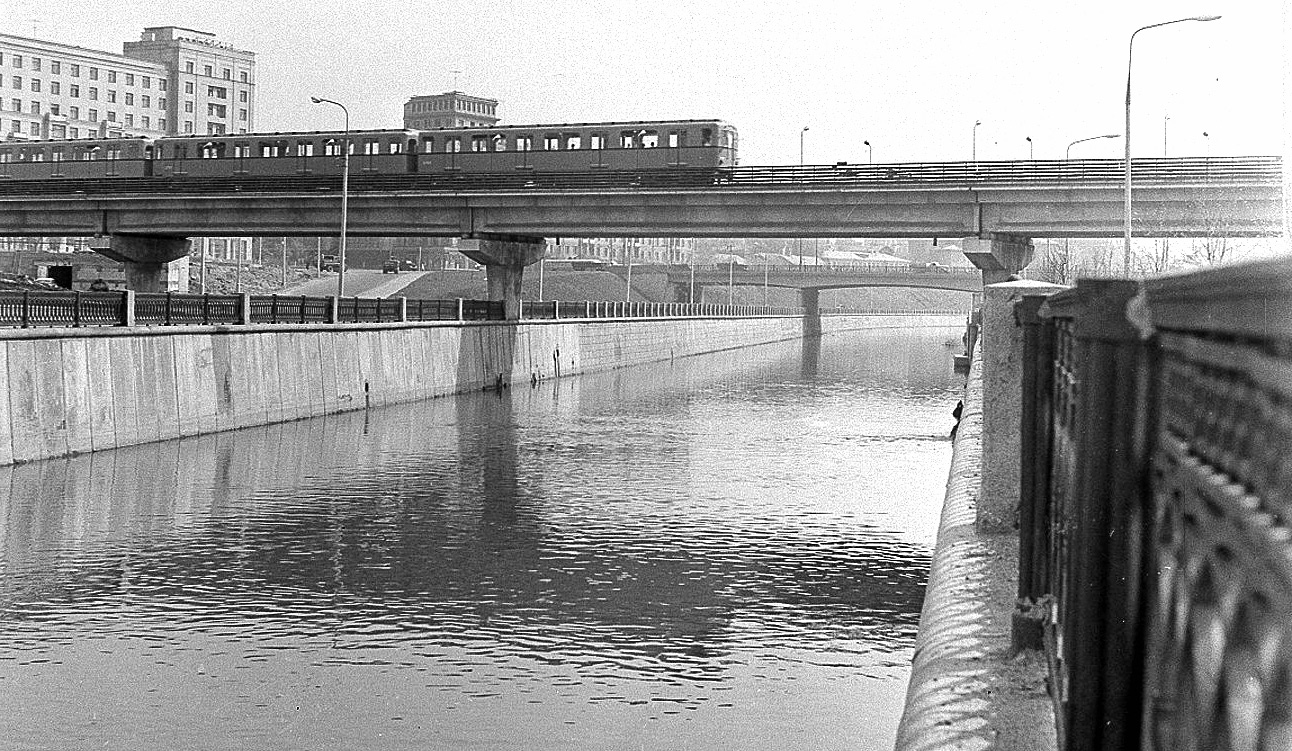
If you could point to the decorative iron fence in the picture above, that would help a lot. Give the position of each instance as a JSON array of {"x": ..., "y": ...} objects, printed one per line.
[{"x": 1156, "y": 515}]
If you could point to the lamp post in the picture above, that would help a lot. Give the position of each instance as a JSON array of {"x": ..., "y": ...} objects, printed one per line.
[
  {"x": 976, "y": 123},
  {"x": 870, "y": 152},
  {"x": 1067, "y": 155},
  {"x": 1130, "y": 58},
  {"x": 1031, "y": 153},
  {"x": 1165, "y": 118},
  {"x": 345, "y": 191},
  {"x": 799, "y": 241}
]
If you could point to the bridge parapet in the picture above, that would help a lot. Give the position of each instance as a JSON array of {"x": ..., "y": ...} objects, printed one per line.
[{"x": 1156, "y": 547}]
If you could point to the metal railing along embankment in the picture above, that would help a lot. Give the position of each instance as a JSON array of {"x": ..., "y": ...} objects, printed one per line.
[{"x": 1156, "y": 512}]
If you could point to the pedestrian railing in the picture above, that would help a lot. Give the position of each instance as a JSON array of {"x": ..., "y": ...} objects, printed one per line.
[
  {"x": 1156, "y": 510},
  {"x": 38, "y": 308}
]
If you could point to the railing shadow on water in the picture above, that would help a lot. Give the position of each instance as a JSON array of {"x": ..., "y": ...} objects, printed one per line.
[{"x": 1156, "y": 512}]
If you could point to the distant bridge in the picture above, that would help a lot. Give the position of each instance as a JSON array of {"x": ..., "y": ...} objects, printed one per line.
[{"x": 955, "y": 278}]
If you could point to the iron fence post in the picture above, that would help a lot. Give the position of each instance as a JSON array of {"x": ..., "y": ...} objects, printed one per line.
[
  {"x": 128, "y": 307},
  {"x": 76, "y": 309},
  {"x": 244, "y": 308}
]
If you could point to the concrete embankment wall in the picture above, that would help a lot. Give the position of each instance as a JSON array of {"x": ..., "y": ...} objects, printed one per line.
[{"x": 70, "y": 391}]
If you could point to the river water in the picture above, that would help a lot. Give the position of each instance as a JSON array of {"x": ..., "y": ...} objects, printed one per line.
[{"x": 726, "y": 551}]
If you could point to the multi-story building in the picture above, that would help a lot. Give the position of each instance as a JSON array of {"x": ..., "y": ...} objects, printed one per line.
[
  {"x": 173, "y": 81},
  {"x": 213, "y": 85},
  {"x": 452, "y": 109}
]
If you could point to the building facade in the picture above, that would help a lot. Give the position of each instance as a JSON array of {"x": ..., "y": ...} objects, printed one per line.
[
  {"x": 452, "y": 109},
  {"x": 173, "y": 81}
]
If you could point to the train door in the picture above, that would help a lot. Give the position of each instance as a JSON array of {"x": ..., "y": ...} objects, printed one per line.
[
  {"x": 452, "y": 146},
  {"x": 597, "y": 143},
  {"x": 524, "y": 145},
  {"x": 304, "y": 156},
  {"x": 676, "y": 143},
  {"x": 56, "y": 167},
  {"x": 149, "y": 152},
  {"x": 6, "y": 157},
  {"x": 410, "y": 153}
]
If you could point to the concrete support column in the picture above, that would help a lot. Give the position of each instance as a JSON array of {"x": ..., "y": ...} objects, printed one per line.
[
  {"x": 505, "y": 258},
  {"x": 999, "y": 256},
  {"x": 810, "y": 298},
  {"x": 1002, "y": 409},
  {"x": 145, "y": 257}
]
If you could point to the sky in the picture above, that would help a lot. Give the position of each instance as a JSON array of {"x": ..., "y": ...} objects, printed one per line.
[{"x": 910, "y": 78}]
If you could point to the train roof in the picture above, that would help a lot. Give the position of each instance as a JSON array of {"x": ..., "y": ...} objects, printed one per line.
[
  {"x": 609, "y": 124},
  {"x": 286, "y": 133}
]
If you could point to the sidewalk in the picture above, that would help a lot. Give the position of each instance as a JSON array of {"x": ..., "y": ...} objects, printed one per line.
[{"x": 965, "y": 690}]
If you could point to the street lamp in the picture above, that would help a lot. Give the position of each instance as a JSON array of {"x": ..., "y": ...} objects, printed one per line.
[
  {"x": 976, "y": 123},
  {"x": 1067, "y": 155},
  {"x": 801, "y": 132},
  {"x": 799, "y": 241},
  {"x": 345, "y": 191},
  {"x": 1031, "y": 153},
  {"x": 870, "y": 153},
  {"x": 1130, "y": 57}
]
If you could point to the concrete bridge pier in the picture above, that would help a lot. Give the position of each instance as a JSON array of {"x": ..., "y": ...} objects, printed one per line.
[
  {"x": 810, "y": 299},
  {"x": 145, "y": 257},
  {"x": 505, "y": 258},
  {"x": 999, "y": 256}
]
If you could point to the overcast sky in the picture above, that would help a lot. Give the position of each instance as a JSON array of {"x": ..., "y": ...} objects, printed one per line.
[{"x": 910, "y": 77}]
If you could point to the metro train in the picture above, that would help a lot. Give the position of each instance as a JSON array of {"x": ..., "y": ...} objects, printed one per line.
[{"x": 576, "y": 147}]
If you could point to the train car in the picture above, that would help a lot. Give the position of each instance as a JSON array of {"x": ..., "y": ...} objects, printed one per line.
[
  {"x": 78, "y": 158},
  {"x": 286, "y": 154},
  {"x": 578, "y": 147}
]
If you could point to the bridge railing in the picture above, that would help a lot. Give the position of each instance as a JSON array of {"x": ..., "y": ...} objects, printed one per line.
[{"x": 1156, "y": 509}]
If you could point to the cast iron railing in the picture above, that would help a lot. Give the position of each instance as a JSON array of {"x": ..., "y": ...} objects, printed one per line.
[{"x": 1156, "y": 515}]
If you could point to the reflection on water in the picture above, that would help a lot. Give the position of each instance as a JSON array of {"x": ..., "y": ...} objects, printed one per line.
[{"x": 721, "y": 551}]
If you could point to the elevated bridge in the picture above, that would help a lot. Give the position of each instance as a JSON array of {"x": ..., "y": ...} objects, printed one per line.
[
  {"x": 954, "y": 278},
  {"x": 146, "y": 221}
]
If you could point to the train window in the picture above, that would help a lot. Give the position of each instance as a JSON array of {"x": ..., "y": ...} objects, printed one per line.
[
  {"x": 676, "y": 138},
  {"x": 304, "y": 148},
  {"x": 212, "y": 150},
  {"x": 627, "y": 139},
  {"x": 113, "y": 152},
  {"x": 479, "y": 143},
  {"x": 372, "y": 147},
  {"x": 396, "y": 147},
  {"x": 597, "y": 141},
  {"x": 56, "y": 155},
  {"x": 37, "y": 156},
  {"x": 650, "y": 139},
  {"x": 243, "y": 150},
  {"x": 499, "y": 142},
  {"x": 706, "y": 137},
  {"x": 524, "y": 143},
  {"x": 573, "y": 141},
  {"x": 5, "y": 156},
  {"x": 269, "y": 149},
  {"x": 428, "y": 146},
  {"x": 551, "y": 142},
  {"x": 332, "y": 147},
  {"x": 452, "y": 145}
]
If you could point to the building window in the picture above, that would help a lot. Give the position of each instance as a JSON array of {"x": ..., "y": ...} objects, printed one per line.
[
  {"x": 17, "y": 105},
  {"x": 145, "y": 101},
  {"x": 242, "y": 115},
  {"x": 112, "y": 116},
  {"x": 148, "y": 82},
  {"x": 112, "y": 76},
  {"x": 228, "y": 74},
  {"x": 55, "y": 67},
  {"x": 161, "y": 103},
  {"x": 215, "y": 110},
  {"x": 94, "y": 93},
  {"x": 74, "y": 132},
  {"x": 35, "y": 85},
  {"x": 206, "y": 70},
  {"x": 94, "y": 116},
  {"x": 144, "y": 121},
  {"x": 76, "y": 71},
  {"x": 54, "y": 88},
  {"x": 74, "y": 113},
  {"x": 242, "y": 96},
  {"x": 112, "y": 95},
  {"x": 35, "y": 108},
  {"x": 243, "y": 76},
  {"x": 35, "y": 131},
  {"x": 17, "y": 82},
  {"x": 74, "y": 90},
  {"x": 35, "y": 63},
  {"x": 188, "y": 126},
  {"x": 130, "y": 79},
  {"x": 17, "y": 61},
  {"x": 188, "y": 87},
  {"x": 130, "y": 99},
  {"x": 53, "y": 109},
  {"x": 161, "y": 123},
  {"x": 130, "y": 120},
  {"x": 188, "y": 67},
  {"x": 217, "y": 92},
  {"x": 94, "y": 74},
  {"x": 188, "y": 106},
  {"x": 161, "y": 84}
]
